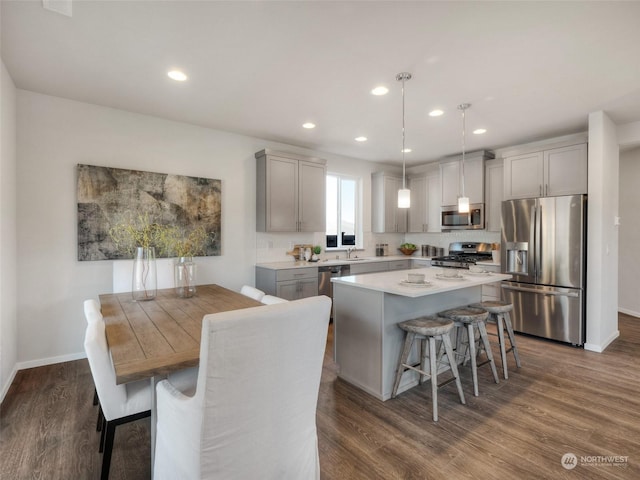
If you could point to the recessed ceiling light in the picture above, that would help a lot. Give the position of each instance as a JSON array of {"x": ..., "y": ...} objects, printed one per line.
[
  {"x": 309, "y": 125},
  {"x": 406, "y": 150},
  {"x": 480, "y": 131},
  {"x": 380, "y": 91},
  {"x": 361, "y": 139},
  {"x": 435, "y": 113},
  {"x": 177, "y": 75}
]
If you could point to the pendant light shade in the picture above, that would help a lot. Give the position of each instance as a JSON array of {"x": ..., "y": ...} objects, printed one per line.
[
  {"x": 404, "y": 195},
  {"x": 404, "y": 198},
  {"x": 463, "y": 200}
]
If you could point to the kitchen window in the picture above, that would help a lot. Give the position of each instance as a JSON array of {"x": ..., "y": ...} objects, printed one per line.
[{"x": 343, "y": 227}]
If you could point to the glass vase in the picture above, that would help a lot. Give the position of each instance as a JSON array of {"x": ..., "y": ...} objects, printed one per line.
[
  {"x": 185, "y": 277},
  {"x": 145, "y": 278}
]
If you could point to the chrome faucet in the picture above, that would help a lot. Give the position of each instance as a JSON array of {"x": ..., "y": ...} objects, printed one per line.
[{"x": 349, "y": 250}]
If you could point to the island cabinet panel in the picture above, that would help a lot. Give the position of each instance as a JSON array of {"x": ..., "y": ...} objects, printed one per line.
[
  {"x": 290, "y": 193},
  {"x": 367, "y": 339},
  {"x": 367, "y": 310}
]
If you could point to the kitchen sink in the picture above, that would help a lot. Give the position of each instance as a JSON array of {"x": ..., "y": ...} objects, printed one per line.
[{"x": 354, "y": 259}]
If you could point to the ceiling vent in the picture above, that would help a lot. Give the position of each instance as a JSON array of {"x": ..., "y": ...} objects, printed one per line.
[{"x": 59, "y": 6}]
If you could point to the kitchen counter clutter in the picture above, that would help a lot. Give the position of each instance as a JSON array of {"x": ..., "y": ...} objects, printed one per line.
[
  {"x": 367, "y": 309},
  {"x": 339, "y": 261}
]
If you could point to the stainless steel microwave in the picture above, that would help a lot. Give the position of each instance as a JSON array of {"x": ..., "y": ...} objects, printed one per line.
[{"x": 451, "y": 219}]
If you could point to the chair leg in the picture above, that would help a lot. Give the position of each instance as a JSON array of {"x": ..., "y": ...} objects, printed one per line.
[
  {"x": 448, "y": 348},
  {"x": 512, "y": 338},
  {"x": 433, "y": 373},
  {"x": 100, "y": 419},
  {"x": 487, "y": 348},
  {"x": 423, "y": 359},
  {"x": 503, "y": 350},
  {"x": 404, "y": 356},
  {"x": 474, "y": 360},
  {"x": 103, "y": 433},
  {"x": 108, "y": 449},
  {"x": 95, "y": 396}
]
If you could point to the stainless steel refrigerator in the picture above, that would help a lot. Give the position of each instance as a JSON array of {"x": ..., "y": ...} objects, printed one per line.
[{"x": 544, "y": 249}]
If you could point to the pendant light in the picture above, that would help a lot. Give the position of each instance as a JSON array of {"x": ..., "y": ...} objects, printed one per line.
[
  {"x": 404, "y": 195},
  {"x": 463, "y": 201}
]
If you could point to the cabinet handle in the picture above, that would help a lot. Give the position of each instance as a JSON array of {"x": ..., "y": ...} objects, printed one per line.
[{"x": 540, "y": 189}]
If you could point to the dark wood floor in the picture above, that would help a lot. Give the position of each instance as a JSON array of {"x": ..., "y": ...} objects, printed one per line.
[{"x": 562, "y": 400}]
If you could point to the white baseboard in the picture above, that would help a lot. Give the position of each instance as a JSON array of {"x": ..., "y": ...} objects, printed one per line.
[
  {"x": 51, "y": 360},
  {"x": 601, "y": 348},
  {"x": 38, "y": 363},
  {"x": 7, "y": 385},
  {"x": 629, "y": 312}
]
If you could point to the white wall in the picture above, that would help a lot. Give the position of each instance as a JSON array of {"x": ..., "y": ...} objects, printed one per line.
[
  {"x": 629, "y": 266},
  {"x": 54, "y": 135},
  {"x": 8, "y": 315},
  {"x": 602, "y": 242}
]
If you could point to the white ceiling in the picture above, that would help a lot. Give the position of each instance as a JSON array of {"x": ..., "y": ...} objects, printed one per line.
[{"x": 531, "y": 70}]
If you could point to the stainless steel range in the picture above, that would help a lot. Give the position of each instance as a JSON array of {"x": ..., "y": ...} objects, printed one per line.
[{"x": 463, "y": 254}]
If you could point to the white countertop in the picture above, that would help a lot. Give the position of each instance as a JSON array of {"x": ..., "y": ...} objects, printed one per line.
[
  {"x": 340, "y": 261},
  {"x": 392, "y": 282}
]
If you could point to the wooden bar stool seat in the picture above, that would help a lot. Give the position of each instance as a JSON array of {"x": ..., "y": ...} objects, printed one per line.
[
  {"x": 499, "y": 314},
  {"x": 469, "y": 319},
  {"x": 428, "y": 330}
]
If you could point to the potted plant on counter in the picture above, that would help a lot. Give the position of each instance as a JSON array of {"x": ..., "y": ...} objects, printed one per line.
[{"x": 408, "y": 248}]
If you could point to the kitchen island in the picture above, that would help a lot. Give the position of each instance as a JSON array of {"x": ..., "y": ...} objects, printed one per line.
[{"x": 367, "y": 342}]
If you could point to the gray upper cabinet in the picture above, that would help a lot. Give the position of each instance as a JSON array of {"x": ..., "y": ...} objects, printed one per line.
[
  {"x": 450, "y": 177},
  {"x": 494, "y": 194},
  {"x": 419, "y": 210},
  {"x": 424, "y": 214},
  {"x": 290, "y": 193},
  {"x": 546, "y": 173},
  {"x": 386, "y": 217}
]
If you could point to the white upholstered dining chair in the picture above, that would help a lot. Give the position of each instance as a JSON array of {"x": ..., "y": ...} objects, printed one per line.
[
  {"x": 252, "y": 292},
  {"x": 119, "y": 404},
  {"x": 253, "y": 414},
  {"x": 271, "y": 299}
]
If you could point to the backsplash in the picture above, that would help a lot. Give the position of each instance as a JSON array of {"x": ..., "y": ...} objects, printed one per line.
[{"x": 273, "y": 247}]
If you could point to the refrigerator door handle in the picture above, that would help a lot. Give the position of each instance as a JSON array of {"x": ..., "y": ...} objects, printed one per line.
[
  {"x": 538, "y": 243},
  {"x": 541, "y": 292}
]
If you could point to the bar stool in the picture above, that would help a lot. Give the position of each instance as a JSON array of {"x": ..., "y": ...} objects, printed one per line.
[
  {"x": 467, "y": 319},
  {"x": 499, "y": 314},
  {"x": 428, "y": 330}
]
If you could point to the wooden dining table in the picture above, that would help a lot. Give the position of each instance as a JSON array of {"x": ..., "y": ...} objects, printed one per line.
[
  {"x": 153, "y": 338},
  {"x": 150, "y": 339}
]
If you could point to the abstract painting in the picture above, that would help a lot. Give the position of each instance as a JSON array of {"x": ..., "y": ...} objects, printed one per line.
[{"x": 108, "y": 196}]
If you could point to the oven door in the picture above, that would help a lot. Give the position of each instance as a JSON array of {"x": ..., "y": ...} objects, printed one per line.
[{"x": 453, "y": 220}]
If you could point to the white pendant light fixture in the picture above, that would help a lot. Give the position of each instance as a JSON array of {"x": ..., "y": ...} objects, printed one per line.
[
  {"x": 404, "y": 195},
  {"x": 463, "y": 201}
]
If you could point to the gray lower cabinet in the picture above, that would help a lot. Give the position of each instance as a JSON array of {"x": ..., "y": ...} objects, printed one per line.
[
  {"x": 399, "y": 264},
  {"x": 290, "y": 283},
  {"x": 360, "y": 268}
]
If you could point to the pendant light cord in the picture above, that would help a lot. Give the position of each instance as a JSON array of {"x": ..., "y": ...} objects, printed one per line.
[
  {"x": 403, "y": 164},
  {"x": 463, "y": 107}
]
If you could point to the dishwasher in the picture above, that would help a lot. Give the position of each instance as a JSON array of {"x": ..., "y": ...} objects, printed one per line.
[{"x": 325, "y": 274}]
